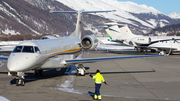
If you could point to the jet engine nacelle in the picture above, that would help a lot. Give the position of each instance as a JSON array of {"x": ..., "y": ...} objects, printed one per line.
[
  {"x": 142, "y": 40},
  {"x": 89, "y": 42}
]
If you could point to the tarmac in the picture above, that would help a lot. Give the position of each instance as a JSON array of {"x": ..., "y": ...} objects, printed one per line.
[{"x": 138, "y": 79}]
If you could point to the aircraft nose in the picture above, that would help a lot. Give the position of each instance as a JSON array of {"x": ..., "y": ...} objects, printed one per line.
[
  {"x": 20, "y": 62},
  {"x": 14, "y": 65}
]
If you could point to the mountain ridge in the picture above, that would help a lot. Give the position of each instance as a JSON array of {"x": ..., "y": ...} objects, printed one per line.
[
  {"x": 126, "y": 12},
  {"x": 174, "y": 15},
  {"x": 33, "y": 17}
]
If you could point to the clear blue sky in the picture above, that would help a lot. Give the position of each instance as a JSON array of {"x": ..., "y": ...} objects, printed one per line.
[{"x": 164, "y": 6}]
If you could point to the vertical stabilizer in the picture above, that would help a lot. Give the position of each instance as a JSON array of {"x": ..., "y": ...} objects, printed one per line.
[
  {"x": 126, "y": 32},
  {"x": 118, "y": 31},
  {"x": 113, "y": 32},
  {"x": 77, "y": 32}
]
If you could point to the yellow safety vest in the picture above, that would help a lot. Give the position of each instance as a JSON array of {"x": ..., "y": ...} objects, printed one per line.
[{"x": 98, "y": 78}]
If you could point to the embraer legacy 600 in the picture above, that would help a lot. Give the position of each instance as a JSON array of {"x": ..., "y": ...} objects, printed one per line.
[
  {"x": 121, "y": 33},
  {"x": 55, "y": 53}
]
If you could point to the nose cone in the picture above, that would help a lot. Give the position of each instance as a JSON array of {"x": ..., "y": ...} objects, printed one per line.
[{"x": 20, "y": 62}]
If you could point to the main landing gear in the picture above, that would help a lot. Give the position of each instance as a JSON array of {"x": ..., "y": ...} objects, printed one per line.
[
  {"x": 166, "y": 52},
  {"x": 80, "y": 70},
  {"x": 142, "y": 50},
  {"x": 20, "y": 79}
]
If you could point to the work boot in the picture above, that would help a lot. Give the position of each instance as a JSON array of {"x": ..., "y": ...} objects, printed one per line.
[
  {"x": 99, "y": 97},
  {"x": 95, "y": 97}
]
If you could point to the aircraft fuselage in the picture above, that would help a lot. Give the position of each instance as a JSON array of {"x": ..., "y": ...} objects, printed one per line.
[{"x": 43, "y": 54}]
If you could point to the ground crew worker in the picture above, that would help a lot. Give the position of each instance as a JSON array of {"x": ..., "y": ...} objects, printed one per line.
[{"x": 98, "y": 81}]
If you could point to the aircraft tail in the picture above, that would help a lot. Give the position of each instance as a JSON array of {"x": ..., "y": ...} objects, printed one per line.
[
  {"x": 77, "y": 32},
  {"x": 118, "y": 32}
]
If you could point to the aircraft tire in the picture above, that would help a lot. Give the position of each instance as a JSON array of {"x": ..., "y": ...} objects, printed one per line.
[
  {"x": 17, "y": 82},
  {"x": 84, "y": 73},
  {"x": 77, "y": 74},
  {"x": 22, "y": 82}
]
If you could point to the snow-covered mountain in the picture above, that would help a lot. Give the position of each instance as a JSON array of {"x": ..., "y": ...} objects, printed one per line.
[
  {"x": 126, "y": 12},
  {"x": 33, "y": 17},
  {"x": 174, "y": 15}
]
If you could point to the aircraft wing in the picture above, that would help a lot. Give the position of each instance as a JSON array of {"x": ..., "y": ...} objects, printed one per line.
[
  {"x": 159, "y": 48},
  {"x": 90, "y": 60},
  {"x": 4, "y": 57}
]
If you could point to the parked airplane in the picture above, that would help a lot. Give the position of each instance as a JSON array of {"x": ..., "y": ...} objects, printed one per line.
[
  {"x": 121, "y": 33},
  {"x": 55, "y": 53}
]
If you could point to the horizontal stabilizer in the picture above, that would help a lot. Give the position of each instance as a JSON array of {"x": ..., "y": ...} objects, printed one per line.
[
  {"x": 107, "y": 25},
  {"x": 114, "y": 24}
]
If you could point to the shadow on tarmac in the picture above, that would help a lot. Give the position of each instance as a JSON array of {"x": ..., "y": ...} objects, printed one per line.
[
  {"x": 3, "y": 72},
  {"x": 124, "y": 72},
  {"x": 30, "y": 77}
]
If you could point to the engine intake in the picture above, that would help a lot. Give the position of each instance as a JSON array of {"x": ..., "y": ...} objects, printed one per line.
[{"x": 89, "y": 42}]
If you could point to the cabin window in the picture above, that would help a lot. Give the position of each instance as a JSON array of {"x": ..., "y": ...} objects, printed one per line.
[{"x": 17, "y": 49}]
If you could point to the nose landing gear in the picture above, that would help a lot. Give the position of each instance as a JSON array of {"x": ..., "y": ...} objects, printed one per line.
[
  {"x": 20, "y": 79},
  {"x": 80, "y": 70}
]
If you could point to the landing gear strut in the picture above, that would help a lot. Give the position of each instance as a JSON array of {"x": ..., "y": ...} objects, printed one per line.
[
  {"x": 80, "y": 70},
  {"x": 143, "y": 50},
  {"x": 20, "y": 79}
]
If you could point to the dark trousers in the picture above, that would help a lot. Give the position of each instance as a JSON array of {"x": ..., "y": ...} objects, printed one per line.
[{"x": 97, "y": 89}]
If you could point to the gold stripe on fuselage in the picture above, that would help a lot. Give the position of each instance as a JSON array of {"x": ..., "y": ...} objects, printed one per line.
[{"x": 66, "y": 51}]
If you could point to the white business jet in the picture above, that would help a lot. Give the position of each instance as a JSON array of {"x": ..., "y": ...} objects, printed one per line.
[
  {"x": 55, "y": 53},
  {"x": 121, "y": 33}
]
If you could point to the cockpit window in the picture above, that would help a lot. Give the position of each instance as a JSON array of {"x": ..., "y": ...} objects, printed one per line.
[
  {"x": 28, "y": 49},
  {"x": 36, "y": 50},
  {"x": 17, "y": 49}
]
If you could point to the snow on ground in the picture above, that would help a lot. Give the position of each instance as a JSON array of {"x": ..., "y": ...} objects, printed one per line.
[
  {"x": 12, "y": 32},
  {"x": 3, "y": 99},
  {"x": 9, "y": 43},
  {"x": 2, "y": 64},
  {"x": 7, "y": 48}
]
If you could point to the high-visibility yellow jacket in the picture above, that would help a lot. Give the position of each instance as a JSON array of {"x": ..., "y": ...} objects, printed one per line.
[{"x": 98, "y": 78}]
